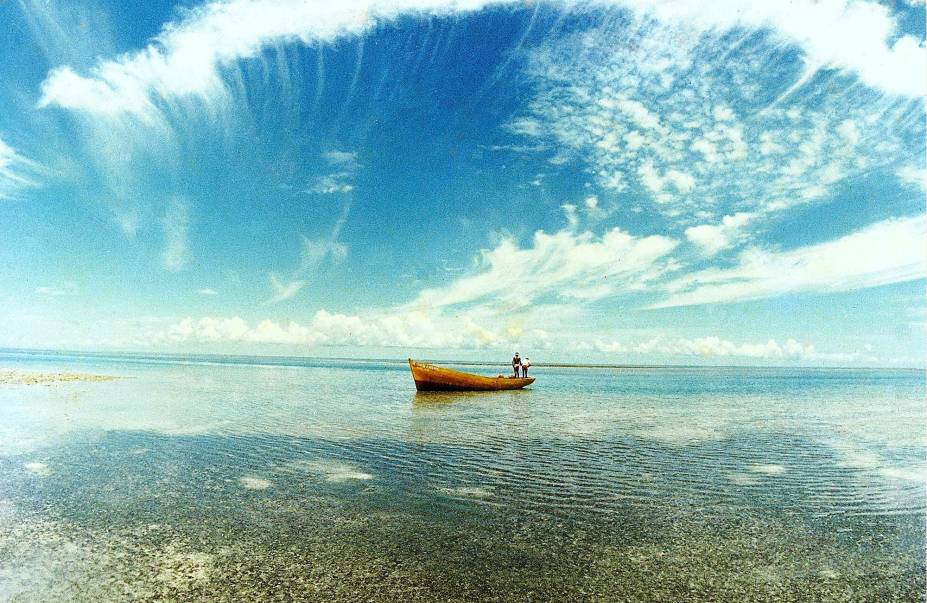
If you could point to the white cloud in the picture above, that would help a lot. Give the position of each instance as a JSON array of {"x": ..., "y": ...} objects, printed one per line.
[
  {"x": 878, "y": 55},
  {"x": 185, "y": 57},
  {"x": 680, "y": 180},
  {"x": 887, "y": 252},
  {"x": 331, "y": 183},
  {"x": 518, "y": 148},
  {"x": 175, "y": 225},
  {"x": 712, "y": 346},
  {"x": 723, "y": 113},
  {"x": 562, "y": 264},
  {"x": 593, "y": 210},
  {"x": 16, "y": 172},
  {"x": 633, "y": 140},
  {"x": 413, "y": 329},
  {"x": 346, "y": 159},
  {"x": 609, "y": 346},
  {"x": 569, "y": 212},
  {"x": 661, "y": 185},
  {"x": 656, "y": 116},
  {"x": 509, "y": 289},
  {"x": 313, "y": 254},
  {"x": 208, "y": 329},
  {"x": 410, "y": 329},
  {"x": 345, "y": 163},
  {"x": 385, "y": 327},
  {"x": 66, "y": 288},
  {"x": 525, "y": 126},
  {"x": 316, "y": 251},
  {"x": 712, "y": 238},
  {"x": 207, "y": 292},
  {"x": 913, "y": 176},
  {"x": 636, "y": 112},
  {"x": 716, "y": 347},
  {"x": 650, "y": 177},
  {"x": 283, "y": 290}
]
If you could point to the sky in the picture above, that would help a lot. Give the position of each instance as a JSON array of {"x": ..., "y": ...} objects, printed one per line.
[{"x": 605, "y": 181}]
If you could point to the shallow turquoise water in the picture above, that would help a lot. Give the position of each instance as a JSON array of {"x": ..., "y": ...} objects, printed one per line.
[{"x": 335, "y": 480}]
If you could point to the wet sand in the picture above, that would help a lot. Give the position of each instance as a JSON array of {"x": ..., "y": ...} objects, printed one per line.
[{"x": 11, "y": 377}]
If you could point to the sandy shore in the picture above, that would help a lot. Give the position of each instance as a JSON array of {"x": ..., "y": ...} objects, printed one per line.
[{"x": 8, "y": 377}]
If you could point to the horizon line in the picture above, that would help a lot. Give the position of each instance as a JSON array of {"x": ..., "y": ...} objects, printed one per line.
[{"x": 169, "y": 356}]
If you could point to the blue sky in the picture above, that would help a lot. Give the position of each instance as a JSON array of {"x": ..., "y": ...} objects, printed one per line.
[{"x": 615, "y": 181}]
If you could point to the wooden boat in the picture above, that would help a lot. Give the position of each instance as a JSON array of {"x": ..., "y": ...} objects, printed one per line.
[{"x": 429, "y": 377}]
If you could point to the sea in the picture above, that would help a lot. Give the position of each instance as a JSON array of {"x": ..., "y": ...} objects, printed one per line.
[{"x": 201, "y": 478}]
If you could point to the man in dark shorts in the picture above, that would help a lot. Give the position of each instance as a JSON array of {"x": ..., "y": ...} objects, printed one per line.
[{"x": 516, "y": 364}]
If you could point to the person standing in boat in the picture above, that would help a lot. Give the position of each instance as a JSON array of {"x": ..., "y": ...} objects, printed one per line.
[
  {"x": 524, "y": 367},
  {"x": 516, "y": 364}
]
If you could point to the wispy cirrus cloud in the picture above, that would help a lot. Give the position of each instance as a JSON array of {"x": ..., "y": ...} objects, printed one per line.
[
  {"x": 61, "y": 31},
  {"x": 340, "y": 180},
  {"x": 343, "y": 159},
  {"x": 16, "y": 172},
  {"x": 175, "y": 225},
  {"x": 891, "y": 251},
  {"x": 283, "y": 290},
  {"x": 184, "y": 59},
  {"x": 314, "y": 253},
  {"x": 65, "y": 289},
  {"x": 565, "y": 264},
  {"x": 331, "y": 183}
]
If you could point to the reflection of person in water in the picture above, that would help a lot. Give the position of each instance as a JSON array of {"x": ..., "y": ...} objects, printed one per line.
[{"x": 516, "y": 364}]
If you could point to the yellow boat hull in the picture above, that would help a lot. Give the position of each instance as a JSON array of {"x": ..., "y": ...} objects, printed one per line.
[{"x": 429, "y": 378}]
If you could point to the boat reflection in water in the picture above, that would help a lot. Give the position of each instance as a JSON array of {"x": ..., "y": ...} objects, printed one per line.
[{"x": 424, "y": 399}]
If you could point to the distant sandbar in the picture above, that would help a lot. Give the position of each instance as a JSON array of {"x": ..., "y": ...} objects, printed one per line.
[{"x": 8, "y": 377}]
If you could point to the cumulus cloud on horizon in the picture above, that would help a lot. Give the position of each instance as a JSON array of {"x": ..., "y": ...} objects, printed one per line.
[{"x": 332, "y": 329}]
